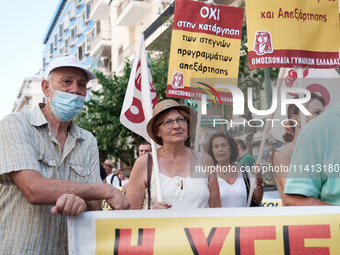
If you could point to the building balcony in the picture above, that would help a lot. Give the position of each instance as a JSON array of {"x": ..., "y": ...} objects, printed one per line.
[
  {"x": 128, "y": 53},
  {"x": 102, "y": 44},
  {"x": 130, "y": 12},
  {"x": 101, "y": 52},
  {"x": 22, "y": 104},
  {"x": 100, "y": 9},
  {"x": 29, "y": 96}
]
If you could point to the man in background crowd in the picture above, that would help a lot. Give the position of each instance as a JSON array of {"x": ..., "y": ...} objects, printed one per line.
[
  {"x": 144, "y": 147},
  {"x": 244, "y": 158},
  {"x": 108, "y": 166}
]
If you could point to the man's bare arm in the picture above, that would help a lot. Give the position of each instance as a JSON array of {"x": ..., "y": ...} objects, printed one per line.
[
  {"x": 42, "y": 191},
  {"x": 299, "y": 200}
]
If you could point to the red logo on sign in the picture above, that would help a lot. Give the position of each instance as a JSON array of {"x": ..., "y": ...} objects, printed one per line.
[
  {"x": 177, "y": 81},
  {"x": 263, "y": 43}
]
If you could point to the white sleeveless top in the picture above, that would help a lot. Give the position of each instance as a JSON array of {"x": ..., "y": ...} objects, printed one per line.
[
  {"x": 181, "y": 192},
  {"x": 234, "y": 195}
]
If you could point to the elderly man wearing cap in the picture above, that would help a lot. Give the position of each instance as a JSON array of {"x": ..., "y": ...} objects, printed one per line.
[
  {"x": 181, "y": 187},
  {"x": 49, "y": 167}
]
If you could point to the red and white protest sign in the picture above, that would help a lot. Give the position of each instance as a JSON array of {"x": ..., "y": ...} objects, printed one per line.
[{"x": 205, "y": 49}]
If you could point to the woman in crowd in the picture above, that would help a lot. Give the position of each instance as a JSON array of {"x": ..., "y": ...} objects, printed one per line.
[
  {"x": 170, "y": 127},
  {"x": 282, "y": 156},
  {"x": 234, "y": 184}
]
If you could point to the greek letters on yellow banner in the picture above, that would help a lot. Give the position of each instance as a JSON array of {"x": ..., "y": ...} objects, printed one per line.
[
  {"x": 205, "y": 43},
  {"x": 241, "y": 231},
  {"x": 291, "y": 33}
]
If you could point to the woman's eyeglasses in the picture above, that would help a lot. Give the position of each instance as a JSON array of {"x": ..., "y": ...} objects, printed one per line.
[{"x": 169, "y": 123}]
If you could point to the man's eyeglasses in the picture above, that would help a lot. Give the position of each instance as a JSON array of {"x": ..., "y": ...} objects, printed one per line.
[{"x": 169, "y": 123}]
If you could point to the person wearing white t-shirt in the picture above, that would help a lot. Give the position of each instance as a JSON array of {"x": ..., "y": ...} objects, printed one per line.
[{"x": 233, "y": 184}]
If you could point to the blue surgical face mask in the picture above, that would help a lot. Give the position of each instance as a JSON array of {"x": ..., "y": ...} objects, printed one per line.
[{"x": 66, "y": 106}]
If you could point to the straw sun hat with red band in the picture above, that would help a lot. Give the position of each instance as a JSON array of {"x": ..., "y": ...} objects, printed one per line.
[{"x": 167, "y": 105}]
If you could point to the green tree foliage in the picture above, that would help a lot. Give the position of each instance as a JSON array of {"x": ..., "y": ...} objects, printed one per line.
[
  {"x": 101, "y": 116},
  {"x": 159, "y": 73}
]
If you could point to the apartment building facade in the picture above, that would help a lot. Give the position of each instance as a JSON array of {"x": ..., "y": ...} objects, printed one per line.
[
  {"x": 103, "y": 34},
  {"x": 29, "y": 95}
]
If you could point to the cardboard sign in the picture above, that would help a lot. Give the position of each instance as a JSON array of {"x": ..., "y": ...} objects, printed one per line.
[
  {"x": 292, "y": 33},
  {"x": 205, "y": 43}
]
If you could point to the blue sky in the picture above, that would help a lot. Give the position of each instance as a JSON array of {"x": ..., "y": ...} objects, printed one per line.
[{"x": 23, "y": 25}]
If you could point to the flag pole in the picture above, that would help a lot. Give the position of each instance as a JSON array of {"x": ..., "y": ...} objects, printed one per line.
[
  {"x": 264, "y": 137},
  {"x": 199, "y": 114},
  {"x": 148, "y": 112},
  {"x": 299, "y": 72},
  {"x": 156, "y": 171}
]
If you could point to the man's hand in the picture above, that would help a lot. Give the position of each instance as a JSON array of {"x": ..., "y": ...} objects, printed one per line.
[
  {"x": 117, "y": 200},
  {"x": 69, "y": 205},
  {"x": 161, "y": 205}
]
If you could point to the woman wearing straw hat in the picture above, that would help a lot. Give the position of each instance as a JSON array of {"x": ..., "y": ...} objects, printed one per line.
[{"x": 170, "y": 127}]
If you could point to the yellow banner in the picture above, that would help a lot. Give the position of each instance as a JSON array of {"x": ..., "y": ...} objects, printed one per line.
[
  {"x": 219, "y": 235},
  {"x": 280, "y": 230},
  {"x": 293, "y": 33}
]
